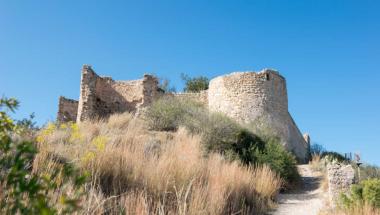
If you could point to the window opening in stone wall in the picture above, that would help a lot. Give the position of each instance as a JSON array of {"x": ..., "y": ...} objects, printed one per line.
[{"x": 267, "y": 76}]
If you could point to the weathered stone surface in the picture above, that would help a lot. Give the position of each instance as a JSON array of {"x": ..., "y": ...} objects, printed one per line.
[
  {"x": 340, "y": 178},
  {"x": 260, "y": 98},
  {"x": 201, "y": 97},
  {"x": 102, "y": 96},
  {"x": 67, "y": 109}
]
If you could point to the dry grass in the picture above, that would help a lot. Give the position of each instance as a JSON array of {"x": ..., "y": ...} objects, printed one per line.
[
  {"x": 357, "y": 210},
  {"x": 136, "y": 171},
  {"x": 316, "y": 163}
]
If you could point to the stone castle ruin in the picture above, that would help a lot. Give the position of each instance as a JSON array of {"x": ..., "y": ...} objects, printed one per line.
[{"x": 247, "y": 97}]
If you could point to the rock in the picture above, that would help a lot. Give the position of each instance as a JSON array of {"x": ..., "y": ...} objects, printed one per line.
[{"x": 340, "y": 179}]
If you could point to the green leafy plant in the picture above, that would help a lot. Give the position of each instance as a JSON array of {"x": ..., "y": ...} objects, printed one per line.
[
  {"x": 222, "y": 134},
  {"x": 168, "y": 113},
  {"x": 23, "y": 191},
  {"x": 280, "y": 160},
  {"x": 196, "y": 84},
  {"x": 366, "y": 192}
]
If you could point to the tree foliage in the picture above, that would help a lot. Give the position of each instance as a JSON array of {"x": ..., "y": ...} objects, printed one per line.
[{"x": 195, "y": 84}]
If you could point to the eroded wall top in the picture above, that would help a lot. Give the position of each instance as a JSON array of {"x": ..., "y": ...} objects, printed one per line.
[{"x": 102, "y": 96}]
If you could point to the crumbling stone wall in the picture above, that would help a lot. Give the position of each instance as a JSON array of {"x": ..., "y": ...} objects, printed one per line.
[
  {"x": 201, "y": 97},
  {"x": 102, "y": 96},
  {"x": 67, "y": 110},
  {"x": 259, "y": 98},
  {"x": 340, "y": 178}
]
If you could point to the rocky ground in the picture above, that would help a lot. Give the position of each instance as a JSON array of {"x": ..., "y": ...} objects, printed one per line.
[{"x": 307, "y": 200}]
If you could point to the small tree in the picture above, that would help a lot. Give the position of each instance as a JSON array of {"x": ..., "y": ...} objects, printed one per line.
[
  {"x": 165, "y": 86},
  {"x": 195, "y": 84}
]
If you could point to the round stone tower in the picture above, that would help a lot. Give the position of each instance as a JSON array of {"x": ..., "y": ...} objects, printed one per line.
[{"x": 261, "y": 99}]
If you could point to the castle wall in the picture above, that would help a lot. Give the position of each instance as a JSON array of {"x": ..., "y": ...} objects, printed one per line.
[
  {"x": 87, "y": 98},
  {"x": 261, "y": 99},
  {"x": 201, "y": 97},
  {"x": 67, "y": 110},
  {"x": 245, "y": 95},
  {"x": 102, "y": 96}
]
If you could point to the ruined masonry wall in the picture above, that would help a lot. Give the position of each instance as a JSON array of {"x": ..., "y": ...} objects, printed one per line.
[
  {"x": 340, "y": 178},
  {"x": 102, "y": 96},
  {"x": 67, "y": 109},
  {"x": 201, "y": 97}
]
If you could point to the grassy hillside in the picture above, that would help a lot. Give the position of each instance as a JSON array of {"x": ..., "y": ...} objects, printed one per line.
[
  {"x": 137, "y": 171},
  {"x": 174, "y": 158}
]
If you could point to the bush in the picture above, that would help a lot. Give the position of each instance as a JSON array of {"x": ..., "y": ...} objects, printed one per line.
[
  {"x": 196, "y": 84},
  {"x": 219, "y": 133},
  {"x": 24, "y": 191},
  {"x": 366, "y": 192},
  {"x": 222, "y": 134},
  {"x": 371, "y": 192},
  {"x": 280, "y": 160},
  {"x": 168, "y": 113},
  {"x": 333, "y": 156}
]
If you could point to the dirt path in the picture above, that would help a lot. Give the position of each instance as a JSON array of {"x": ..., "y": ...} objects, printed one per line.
[{"x": 308, "y": 200}]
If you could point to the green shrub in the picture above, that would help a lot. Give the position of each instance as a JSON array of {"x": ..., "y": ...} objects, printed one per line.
[
  {"x": 219, "y": 133},
  {"x": 371, "y": 192},
  {"x": 222, "y": 134},
  {"x": 196, "y": 84},
  {"x": 22, "y": 190},
  {"x": 366, "y": 192},
  {"x": 280, "y": 160},
  {"x": 168, "y": 113},
  {"x": 331, "y": 156}
]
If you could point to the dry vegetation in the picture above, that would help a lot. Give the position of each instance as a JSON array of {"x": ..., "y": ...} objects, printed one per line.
[
  {"x": 364, "y": 209},
  {"x": 132, "y": 170}
]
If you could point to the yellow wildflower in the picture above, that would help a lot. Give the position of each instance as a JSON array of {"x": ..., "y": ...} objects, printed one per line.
[
  {"x": 45, "y": 132},
  {"x": 100, "y": 142},
  {"x": 88, "y": 156},
  {"x": 75, "y": 133}
]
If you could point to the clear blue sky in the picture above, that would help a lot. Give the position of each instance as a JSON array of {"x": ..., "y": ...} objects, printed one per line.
[{"x": 329, "y": 52}]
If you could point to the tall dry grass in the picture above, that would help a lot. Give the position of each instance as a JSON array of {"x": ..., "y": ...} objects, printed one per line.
[{"x": 136, "y": 171}]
